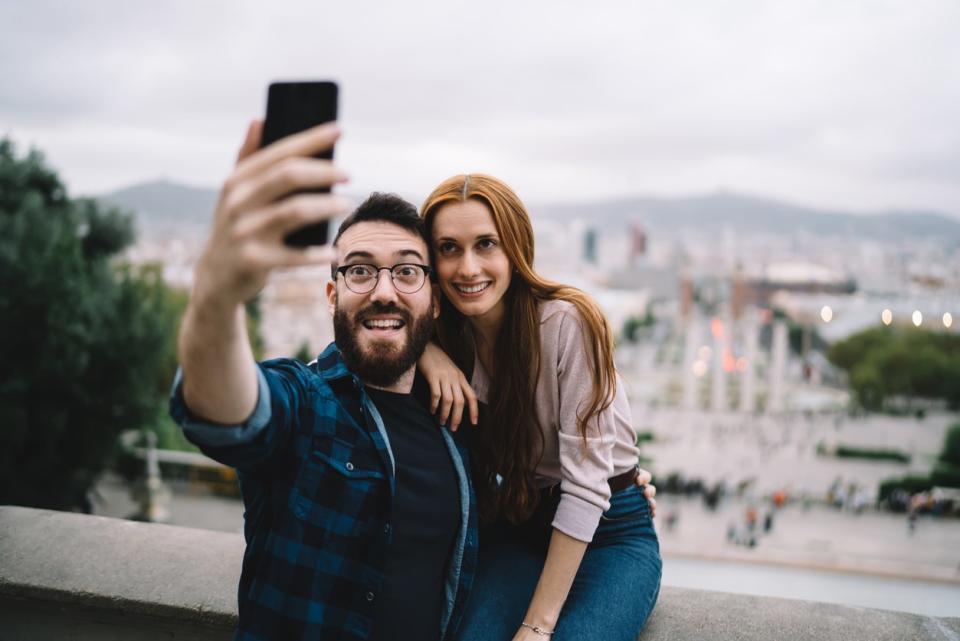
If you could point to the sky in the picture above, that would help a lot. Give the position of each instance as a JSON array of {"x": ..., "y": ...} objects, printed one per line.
[{"x": 846, "y": 105}]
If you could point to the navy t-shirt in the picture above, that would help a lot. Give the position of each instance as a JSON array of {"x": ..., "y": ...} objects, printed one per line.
[{"x": 425, "y": 518}]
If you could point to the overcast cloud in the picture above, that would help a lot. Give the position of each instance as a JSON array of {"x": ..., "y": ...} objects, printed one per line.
[{"x": 836, "y": 104}]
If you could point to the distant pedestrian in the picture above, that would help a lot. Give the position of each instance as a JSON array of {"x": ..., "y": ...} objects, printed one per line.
[
  {"x": 671, "y": 520},
  {"x": 751, "y": 519}
]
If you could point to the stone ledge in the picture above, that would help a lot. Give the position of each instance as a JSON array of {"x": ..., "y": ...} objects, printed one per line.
[{"x": 102, "y": 578}]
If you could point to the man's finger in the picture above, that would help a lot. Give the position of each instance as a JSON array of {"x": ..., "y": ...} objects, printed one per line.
[
  {"x": 650, "y": 491},
  {"x": 281, "y": 256},
  {"x": 252, "y": 141},
  {"x": 273, "y": 223},
  {"x": 306, "y": 143},
  {"x": 293, "y": 174},
  {"x": 643, "y": 477},
  {"x": 653, "y": 507}
]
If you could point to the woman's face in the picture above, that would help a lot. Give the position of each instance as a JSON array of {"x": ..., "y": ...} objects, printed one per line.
[{"x": 472, "y": 268}]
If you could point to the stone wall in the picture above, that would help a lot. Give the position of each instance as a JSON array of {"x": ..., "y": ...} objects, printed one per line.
[{"x": 75, "y": 577}]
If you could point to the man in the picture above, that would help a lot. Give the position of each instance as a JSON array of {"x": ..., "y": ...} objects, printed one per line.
[{"x": 359, "y": 517}]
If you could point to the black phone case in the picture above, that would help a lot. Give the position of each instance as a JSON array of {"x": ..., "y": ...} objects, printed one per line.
[{"x": 293, "y": 107}]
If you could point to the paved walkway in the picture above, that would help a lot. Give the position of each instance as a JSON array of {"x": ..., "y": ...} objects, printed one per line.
[{"x": 817, "y": 537}]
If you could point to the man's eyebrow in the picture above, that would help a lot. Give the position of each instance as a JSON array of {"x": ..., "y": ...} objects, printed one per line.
[
  {"x": 365, "y": 255},
  {"x": 410, "y": 252},
  {"x": 357, "y": 254}
]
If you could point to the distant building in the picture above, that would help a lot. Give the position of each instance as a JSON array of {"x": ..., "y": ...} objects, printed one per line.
[
  {"x": 800, "y": 277},
  {"x": 590, "y": 246}
]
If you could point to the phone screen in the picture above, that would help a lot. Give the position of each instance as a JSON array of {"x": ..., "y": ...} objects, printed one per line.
[{"x": 291, "y": 108}]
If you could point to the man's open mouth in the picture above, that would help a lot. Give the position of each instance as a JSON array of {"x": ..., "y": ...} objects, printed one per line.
[{"x": 383, "y": 323}]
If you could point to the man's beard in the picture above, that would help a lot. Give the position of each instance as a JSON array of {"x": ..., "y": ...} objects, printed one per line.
[{"x": 381, "y": 364}]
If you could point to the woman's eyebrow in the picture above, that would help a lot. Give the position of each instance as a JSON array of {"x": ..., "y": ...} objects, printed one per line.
[{"x": 454, "y": 240}]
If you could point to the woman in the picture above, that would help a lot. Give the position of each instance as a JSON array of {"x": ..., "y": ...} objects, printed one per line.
[{"x": 571, "y": 552}]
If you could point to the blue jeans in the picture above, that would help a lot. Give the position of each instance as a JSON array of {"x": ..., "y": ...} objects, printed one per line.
[{"x": 612, "y": 596}]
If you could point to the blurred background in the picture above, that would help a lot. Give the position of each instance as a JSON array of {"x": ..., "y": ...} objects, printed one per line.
[{"x": 763, "y": 197}]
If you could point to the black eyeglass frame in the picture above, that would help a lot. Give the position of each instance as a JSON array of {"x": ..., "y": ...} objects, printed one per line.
[{"x": 427, "y": 270}]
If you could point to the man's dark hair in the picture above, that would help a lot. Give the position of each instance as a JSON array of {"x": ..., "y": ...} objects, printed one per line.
[{"x": 386, "y": 208}]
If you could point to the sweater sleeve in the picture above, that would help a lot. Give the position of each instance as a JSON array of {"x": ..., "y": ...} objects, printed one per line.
[{"x": 585, "y": 467}]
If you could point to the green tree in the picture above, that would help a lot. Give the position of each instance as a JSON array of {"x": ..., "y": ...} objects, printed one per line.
[
  {"x": 84, "y": 339},
  {"x": 847, "y": 354},
  {"x": 951, "y": 447},
  {"x": 912, "y": 363},
  {"x": 304, "y": 355}
]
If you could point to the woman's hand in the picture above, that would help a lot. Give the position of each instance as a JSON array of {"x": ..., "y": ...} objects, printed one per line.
[
  {"x": 449, "y": 389},
  {"x": 649, "y": 491}
]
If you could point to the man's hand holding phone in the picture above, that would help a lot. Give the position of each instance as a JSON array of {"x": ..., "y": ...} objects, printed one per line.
[
  {"x": 271, "y": 213},
  {"x": 261, "y": 203}
]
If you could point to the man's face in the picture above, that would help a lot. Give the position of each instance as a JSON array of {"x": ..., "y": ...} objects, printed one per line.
[{"x": 383, "y": 332}]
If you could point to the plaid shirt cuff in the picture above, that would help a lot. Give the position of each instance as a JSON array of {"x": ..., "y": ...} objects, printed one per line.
[{"x": 207, "y": 433}]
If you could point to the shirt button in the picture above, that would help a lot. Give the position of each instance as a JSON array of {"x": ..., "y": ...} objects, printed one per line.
[
  {"x": 369, "y": 596},
  {"x": 349, "y": 466},
  {"x": 386, "y": 529}
]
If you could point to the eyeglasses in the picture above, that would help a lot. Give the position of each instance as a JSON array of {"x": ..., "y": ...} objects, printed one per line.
[{"x": 407, "y": 278}]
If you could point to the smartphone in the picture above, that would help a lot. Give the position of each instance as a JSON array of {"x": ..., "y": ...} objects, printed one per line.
[{"x": 291, "y": 108}]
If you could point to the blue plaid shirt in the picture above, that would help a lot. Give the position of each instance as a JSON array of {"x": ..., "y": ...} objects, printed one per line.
[{"x": 316, "y": 474}]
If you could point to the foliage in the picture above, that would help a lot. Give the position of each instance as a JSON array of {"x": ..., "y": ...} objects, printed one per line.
[
  {"x": 846, "y": 451},
  {"x": 946, "y": 473},
  {"x": 888, "y": 362},
  {"x": 950, "y": 454},
  {"x": 633, "y": 325},
  {"x": 86, "y": 342},
  {"x": 304, "y": 354},
  {"x": 909, "y": 484},
  {"x": 645, "y": 437},
  {"x": 945, "y": 476}
]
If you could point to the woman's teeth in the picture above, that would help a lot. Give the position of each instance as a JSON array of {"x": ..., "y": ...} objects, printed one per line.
[{"x": 473, "y": 289}]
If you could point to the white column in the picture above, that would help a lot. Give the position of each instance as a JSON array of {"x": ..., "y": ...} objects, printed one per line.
[
  {"x": 778, "y": 367},
  {"x": 748, "y": 394},
  {"x": 691, "y": 384},
  {"x": 718, "y": 386}
]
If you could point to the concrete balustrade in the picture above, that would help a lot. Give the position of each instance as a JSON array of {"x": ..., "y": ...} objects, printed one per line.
[{"x": 75, "y": 577}]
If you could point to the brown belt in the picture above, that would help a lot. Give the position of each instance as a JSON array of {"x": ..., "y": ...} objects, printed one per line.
[{"x": 623, "y": 481}]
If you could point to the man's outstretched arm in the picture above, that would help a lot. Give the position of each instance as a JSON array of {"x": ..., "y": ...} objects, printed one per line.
[{"x": 254, "y": 213}]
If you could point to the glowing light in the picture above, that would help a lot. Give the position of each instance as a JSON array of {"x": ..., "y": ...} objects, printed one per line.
[
  {"x": 699, "y": 368},
  {"x": 947, "y": 319},
  {"x": 716, "y": 327},
  {"x": 729, "y": 362},
  {"x": 826, "y": 314},
  {"x": 917, "y": 317},
  {"x": 704, "y": 353},
  {"x": 886, "y": 316}
]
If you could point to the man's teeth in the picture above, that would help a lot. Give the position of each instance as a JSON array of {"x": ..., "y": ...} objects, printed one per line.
[
  {"x": 383, "y": 324},
  {"x": 472, "y": 289}
]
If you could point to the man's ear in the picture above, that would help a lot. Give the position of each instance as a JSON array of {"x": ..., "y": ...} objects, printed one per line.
[{"x": 331, "y": 297}]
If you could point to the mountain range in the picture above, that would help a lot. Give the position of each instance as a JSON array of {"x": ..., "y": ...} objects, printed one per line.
[{"x": 168, "y": 208}]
